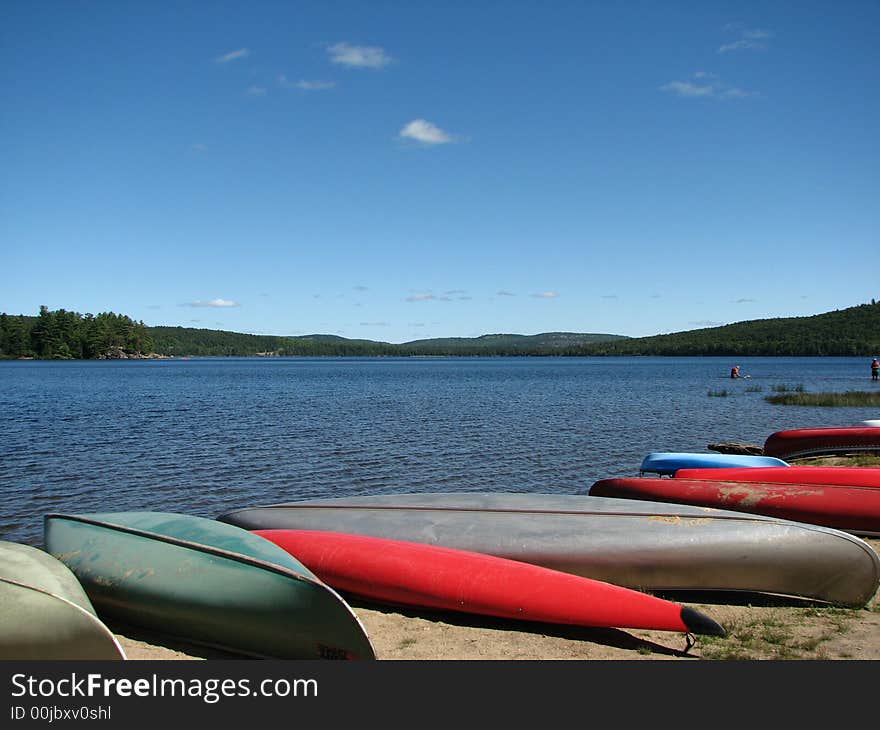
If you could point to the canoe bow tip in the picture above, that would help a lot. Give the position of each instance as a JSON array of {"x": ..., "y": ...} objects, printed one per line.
[{"x": 700, "y": 623}]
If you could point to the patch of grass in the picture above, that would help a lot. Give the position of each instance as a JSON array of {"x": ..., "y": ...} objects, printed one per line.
[
  {"x": 723, "y": 393},
  {"x": 829, "y": 400},
  {"x": 771, "y": 637}
]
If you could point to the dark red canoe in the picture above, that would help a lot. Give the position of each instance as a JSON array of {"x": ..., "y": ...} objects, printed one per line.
[
  {"x": 852, "y": 509},
  {"x": 800, "y": 442},
  {"x": 846, "y": 476},
  {"x": 430, "y": 576}
]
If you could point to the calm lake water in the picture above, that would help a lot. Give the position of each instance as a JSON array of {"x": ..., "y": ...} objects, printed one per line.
[{"x": 205, "y": 436}]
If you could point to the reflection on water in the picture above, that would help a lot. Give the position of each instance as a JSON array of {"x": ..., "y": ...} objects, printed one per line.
[{"x": 205, "y": 436}]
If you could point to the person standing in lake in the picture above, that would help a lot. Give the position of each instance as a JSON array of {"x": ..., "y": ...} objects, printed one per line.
[
  {"x": 875, "y": 369},
  {"x": 734, "y": 371}
]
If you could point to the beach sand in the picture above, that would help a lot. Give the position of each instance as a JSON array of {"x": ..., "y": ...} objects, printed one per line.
[{"x": 765, "y": 628}]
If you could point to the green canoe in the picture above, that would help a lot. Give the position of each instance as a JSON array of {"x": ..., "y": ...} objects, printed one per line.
[
  {"x": 205, "y": 582},
  {"x": 45, "y": 612}
]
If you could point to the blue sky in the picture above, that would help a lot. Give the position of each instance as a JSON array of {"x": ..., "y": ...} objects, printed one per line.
[{"x": 402, "y": 170}]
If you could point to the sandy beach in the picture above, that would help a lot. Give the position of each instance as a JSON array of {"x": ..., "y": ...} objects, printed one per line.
[{"x": 762, "y": 628}]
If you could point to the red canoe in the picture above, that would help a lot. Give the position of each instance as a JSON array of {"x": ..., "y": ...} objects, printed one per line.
[
  {"x": 430, "y": 576},
  {"x": 801, "y": 442},
  {"x": 845, "y": 476},
  {"x": 852, "y": 509}
]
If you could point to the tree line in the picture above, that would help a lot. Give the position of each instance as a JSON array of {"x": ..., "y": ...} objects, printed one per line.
[
  {"x": 64, "y": 335},
  {"x": 854, "y": 331}
]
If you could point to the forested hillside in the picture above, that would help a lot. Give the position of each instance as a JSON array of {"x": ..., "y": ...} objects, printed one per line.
[
  {"x": 505, "y": 344},
  {"x": 217, "y": 343},
  {"x": 69, "y": 335},
  {"x": 61, "y": 334},
  {"x": 852, "y": 331}
]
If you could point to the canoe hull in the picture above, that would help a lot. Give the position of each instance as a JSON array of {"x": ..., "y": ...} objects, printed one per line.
[
  {"x": 46, "y": 613},
  {"x": 194, "y": 579},
  {"x": 668, "y": 462},
  {"x": 801, "y": 442},
  {"x": 845, "y": 476},
  {"x": 428, "y": 576},
  {"x": 649, "y": 546},
  {"x": 853, "y": 509}
]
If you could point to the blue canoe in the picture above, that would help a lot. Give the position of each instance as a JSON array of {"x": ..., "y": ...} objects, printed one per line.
[{"x": 669, "y": 462}]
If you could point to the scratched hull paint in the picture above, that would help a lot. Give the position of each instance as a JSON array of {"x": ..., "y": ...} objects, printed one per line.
[
  {"x": 46, "y": 613},
  {"x": 650, "y": 546},
  {"x": 207, "y": 583},
  {"x": 853, "y": 509}
]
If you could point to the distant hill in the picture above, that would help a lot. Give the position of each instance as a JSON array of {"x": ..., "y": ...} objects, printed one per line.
[
  {"x": 506, "y": 344},
  {"x": 60, "y": 334},
  {"x": 853, "y": 331},
  {"x": 180, "y": 341}
]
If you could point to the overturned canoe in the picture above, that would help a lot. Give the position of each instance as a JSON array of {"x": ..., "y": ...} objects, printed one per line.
[
  {"x": 207, "y": 583},
  {"x": 846, "y": 476},
  {"x": 46, "y": 613},
  {"x": 801, "y": 442},
  {"x": 668, "y": 462},
  {"x": 852, "y": 509},
  {"x": 645, "y": 545},
  {"x": 429, "y": 576}
]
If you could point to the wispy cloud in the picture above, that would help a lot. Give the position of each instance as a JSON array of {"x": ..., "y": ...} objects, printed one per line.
[
  {"x": 610, "y": 296},
  {"x": 747, "y": 39},
  {"x": 304, "y": 85},
  {"x": 256, "y": 91},
  {"x": 213, "y": 303},
  {"x": 427, "y": 297},
  {"x": 233, "y": 56},
  {"x": 346, "y": 54},
  {"x": 425, "y": 132},
  {"x": 504, "y": 293},
  {"x": 374, "y": 324},
  {"x": 743, "y": 301},
  {"x": 706, "y": 86},
  {"x": 706, "y": 323},
  {"x": 546, "y": 295}
]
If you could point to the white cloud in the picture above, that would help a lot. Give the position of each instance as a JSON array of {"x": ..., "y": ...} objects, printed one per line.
[
  {"x": 687, "y": 88},
  {"x": 705, "y": 86},
  {"x": 425, "y": 132},
  {"x": 546, "y": 295},
  {"x": 314, "y": 85},
  {"x": 427, "y": 297},
  {"x": 753, "y": 39},
  {"x": 304, "y": 85},
  {"x": 233, "y": 55},
  {"x": 214, "y": 303},
  {"x": 346, "y": 54},
  {"x": 503, "y": 293}
]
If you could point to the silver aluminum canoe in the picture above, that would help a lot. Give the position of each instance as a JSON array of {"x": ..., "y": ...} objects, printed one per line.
[{"x": 650, "y": 546}]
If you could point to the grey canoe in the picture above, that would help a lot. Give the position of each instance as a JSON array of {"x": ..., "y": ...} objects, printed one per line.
[
  {"x": 45, "y": 612},
  {"x": 208, "y": 583},
  {"x": 650, "y": 546}
]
